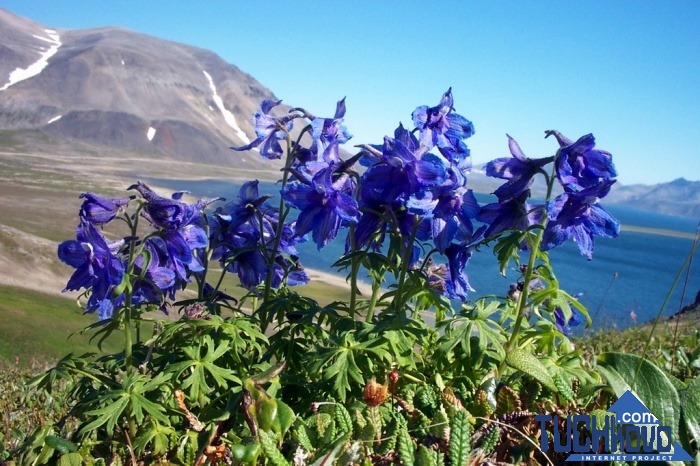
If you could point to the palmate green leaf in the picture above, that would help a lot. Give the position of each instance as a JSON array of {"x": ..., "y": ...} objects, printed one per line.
[
  {"x": 507, "y": 247},
  {"x": 457, "y": 336},
  {"x": 242, "y": 333},
  {"x": 569, "y": 366},
  {"x": 401, "y": 349},
  {"x": 342, "y": 370},
  {"x": 109, "y": 414},
  {"x": 153, "y": 383},
  {"x": 652, "y": 387},
  {"x": 155, "y": 434},
  {"x": 343, "y": 356},
  {"x": 139, "y": 403},
  {"x": 106, "y": 328},
  {"x": 477, "y": 322},
  {"x": 199, "y": 366}
]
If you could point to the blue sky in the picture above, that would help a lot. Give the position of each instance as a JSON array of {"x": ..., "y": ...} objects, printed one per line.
[{"x": 626, "y": 71}]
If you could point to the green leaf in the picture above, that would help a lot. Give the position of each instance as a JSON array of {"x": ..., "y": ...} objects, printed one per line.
[
  {"x": 285, "y": 417},
  {"x": 71, "y": 459},
  {"x": 342, "y": 418},
  {"x": 404, "y": 445},
  {"x": 526, "y": 362},
  {"x": 460, "y": 431},
  {"x": 690, "y": 404},
  {"x": 62, "y": 445},
  {"x": 651, "y": 388},
  {"x": 109, "y": 414},
  {"x": 270, "y": 450}
]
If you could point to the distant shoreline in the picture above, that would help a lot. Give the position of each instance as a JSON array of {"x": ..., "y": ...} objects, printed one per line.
[{"x": 658, "y": 231}]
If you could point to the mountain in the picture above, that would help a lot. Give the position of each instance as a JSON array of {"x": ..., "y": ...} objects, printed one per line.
[
  {"x": 118, "y": 92},
  {"x": 120, "y": 89},
  {"x": 678, "y": 197}
]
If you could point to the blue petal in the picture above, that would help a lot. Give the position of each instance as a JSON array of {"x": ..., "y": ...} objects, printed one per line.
[
  {"x": 73, "y": 253},
  {"x": 325, "y": 228},
  {"x": 194, "y": 236}
]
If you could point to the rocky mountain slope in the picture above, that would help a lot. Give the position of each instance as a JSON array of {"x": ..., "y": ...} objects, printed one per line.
[
  {"x": 121, "y": 89},
  {"x": 678, "y": 197}
]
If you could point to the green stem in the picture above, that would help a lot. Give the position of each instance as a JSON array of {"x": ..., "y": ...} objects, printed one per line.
[
  {"x": 522, "y": 301},
  {"x": 127, "y": 333},
  {"x": 354, "y": 269},
  {"x": 280, "y": 224},
  {"x": 376, "y": 287},
  {"x": 527, "y": 277},
  {"x": 404, "y": 266},
  {"x": 128, "y": 342}
]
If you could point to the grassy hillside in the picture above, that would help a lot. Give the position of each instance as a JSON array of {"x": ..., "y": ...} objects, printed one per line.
[{"x": 39, "y": 328}]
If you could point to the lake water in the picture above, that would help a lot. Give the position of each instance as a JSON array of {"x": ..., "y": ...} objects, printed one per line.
[{"x": 646, "y": 264}]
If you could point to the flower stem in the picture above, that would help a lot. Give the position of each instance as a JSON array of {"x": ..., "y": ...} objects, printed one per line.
[
  {"x": 354, "y": 269},
  {"x": 399, "y": 299},
  {"x": 522, "y": 301},
  {"x": 376, "y": 287},
  {"x": 280, "y": 224},
  {"x": 529, "y": 273}
]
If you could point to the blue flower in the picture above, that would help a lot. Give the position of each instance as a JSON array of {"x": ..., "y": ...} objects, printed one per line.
[
  {"x": 440, "y": 126},
  {"x": 244, "y": 257},
  {"x": 97, "y": 267},
  {"x": 328, "y": 133},
  {"x": 447, "y": 218},
  {"x": 578, "y": 215},
  {"x": 325, "y": 205},
  {"x": 269, "y": 131},
  {"x": 247, "y": 208},
  {"x": 518, "y": 170},
  {"x": 156, "y": 278},
  {"x": 402, "y": 172},
  {"x": 507, "y": 214},
  {"x": 100, "y": 210},
  {"x": 179, "y": 227},
  {"x": 579, "y": 165},
  {"x": 458, "y": 283},
  {"x": 561, "y": 323}
]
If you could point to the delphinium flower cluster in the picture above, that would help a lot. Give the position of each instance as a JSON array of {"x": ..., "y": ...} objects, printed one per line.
[{"x": 413, "y": 186}]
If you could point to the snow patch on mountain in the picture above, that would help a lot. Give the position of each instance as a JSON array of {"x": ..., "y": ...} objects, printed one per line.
[
  {"x": 150, "y": 133},
  {"x": 20, "y": 74},
  {"x": 56, "y": 118},
  {"x": 228, "y": 116}
]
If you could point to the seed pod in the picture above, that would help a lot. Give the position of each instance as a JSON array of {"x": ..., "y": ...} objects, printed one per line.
[
  {"x": 266, "y": 413},
  {"x": 375, "y": 393}
]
